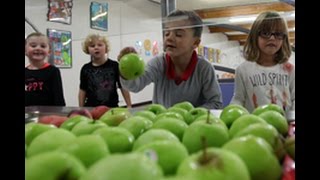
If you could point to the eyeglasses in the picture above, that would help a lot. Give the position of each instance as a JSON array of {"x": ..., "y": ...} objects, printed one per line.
[{"x": 277, "y": 35}]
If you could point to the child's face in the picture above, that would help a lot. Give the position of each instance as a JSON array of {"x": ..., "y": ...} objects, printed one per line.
[
  {"x": 97, "y": 49},
  {"x": 37, "y": 48},
  {"x": 269, "y": 42},
  {"x": 179, "y": 40}
]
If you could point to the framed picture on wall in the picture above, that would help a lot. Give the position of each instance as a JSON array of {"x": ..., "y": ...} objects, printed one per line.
[
  {"x": 61, "y": 52},
  {"x": 99, "y": 16},
  {"x": 60, "y": 11}
]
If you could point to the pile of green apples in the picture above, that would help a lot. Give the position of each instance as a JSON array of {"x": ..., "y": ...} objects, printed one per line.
[{"x": 158, "y": 143}]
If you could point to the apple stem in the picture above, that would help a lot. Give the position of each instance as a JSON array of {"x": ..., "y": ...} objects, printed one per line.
[
  {"x": 204, "y": 159},
  {"x": 208, "y": 117}
]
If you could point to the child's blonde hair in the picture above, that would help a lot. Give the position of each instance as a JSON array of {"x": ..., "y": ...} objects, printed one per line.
[
  {"x": 267, "y": 21},
  {"x": 36, "y": 34},
  {"x": 92, "y": 38}
]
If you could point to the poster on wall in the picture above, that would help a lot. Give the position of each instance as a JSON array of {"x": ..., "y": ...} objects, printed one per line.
[
  {"x": 99, "y": 16},
  {"x": 61, "y": 53},
  {"x": 60, "y": 11}
]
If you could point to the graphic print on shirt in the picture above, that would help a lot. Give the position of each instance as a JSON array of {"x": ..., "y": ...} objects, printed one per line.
[
  {"x": 268, "y": 82},
  {"x": 101, "y": 82},
  {"x": 33, "y": 85}
]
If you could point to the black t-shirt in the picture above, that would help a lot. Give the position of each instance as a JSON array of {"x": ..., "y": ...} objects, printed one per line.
[
  {"x": 43, "y": 87},
  {"x": 100, "y": 83}
]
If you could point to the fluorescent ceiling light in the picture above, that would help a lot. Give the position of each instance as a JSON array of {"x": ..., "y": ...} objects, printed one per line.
[{"x": 242, "y": 19}]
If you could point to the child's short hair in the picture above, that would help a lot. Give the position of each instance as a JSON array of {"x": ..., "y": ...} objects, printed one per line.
[
  {"x": 267, "y": 21},
  {"x": 35, "y": 34},
  {"x": 94, "y": 37},
  {"x": 126, "y": 50},
  {"x": 194, "y": 19}
]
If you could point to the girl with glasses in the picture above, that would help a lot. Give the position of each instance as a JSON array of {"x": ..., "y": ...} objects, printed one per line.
[{"x": 266, "y": 76}]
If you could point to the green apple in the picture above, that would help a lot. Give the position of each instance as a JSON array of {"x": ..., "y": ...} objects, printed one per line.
[
  {"x": 243, "y": 122},
  {"x": 87, "y": 148},
  {"x": 136, "y": 125},
  {"x": 147, "y": 114},
  {"x": 168, "y": 114},
  {"x": 277, "y": 120},
  {"x": 131, "y": 66},
  {"x": 211, "y": 118},
  {"x": 197, "y": 112},
  {"x": 257, "y": 154},
  {"x": 53, "y": 165},
  {"x": 118, "y": 139},
  {"x": 268, "y": 107},
  {"x": 215, "y": 135},
  {"x": 87, "y": 127},
  {"x": 114, "y": 119},
  {"x": 72, "y": 121},
  {"x": 232, "y": 112},
  {"x": 174, "y": 125},
  {"x": 213, "y": 163},
  {"x": 133, "y": 166},
  {"x": 290, "y": 146},
  {"x": 34, "y": 129},
  {"x": 184, "y": 105},
  {"x": 181, "y": 111},
  {"x": 168, "y": 154},
  {"x": 263, "y": 130},
  {"x": 154, "y": 135},
  {"x": 49, "y": 141},
  {"x": 156, "y": 108},
  {"x": 116, "y": 110}
]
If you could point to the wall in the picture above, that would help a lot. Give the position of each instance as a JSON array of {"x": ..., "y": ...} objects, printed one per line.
[{"x": 129, "y": 21}]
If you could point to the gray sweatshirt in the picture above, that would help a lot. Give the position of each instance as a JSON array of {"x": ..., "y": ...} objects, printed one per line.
[{"x": 201, "y": 88}]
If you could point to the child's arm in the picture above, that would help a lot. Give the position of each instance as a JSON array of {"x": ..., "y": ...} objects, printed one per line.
[
  {"x": 126, "y": 96},
  {"x": 81, "y": 97}
]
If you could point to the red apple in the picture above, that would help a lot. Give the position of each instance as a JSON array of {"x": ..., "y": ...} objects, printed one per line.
[
  {"x": 98, "y": 111},
  {"x": 83, "y": 112},
  {"x": 52, "y": 119}
]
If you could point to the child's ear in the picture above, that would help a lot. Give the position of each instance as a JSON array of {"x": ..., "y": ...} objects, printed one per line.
[{"x": 196, "y": 43}]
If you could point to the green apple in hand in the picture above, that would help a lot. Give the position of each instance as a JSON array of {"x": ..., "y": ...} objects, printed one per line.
[
  {"x": 213, "y": 163},
  {"x": 87, "y": 148},
  {"x": 156, "y": 108},
  {"x": 119, "y": 140},
  {"x": 258, "y": 156},
  {"x": 216, "y": 135},
  {"x": 49, "y": 141},
  {"x": 154, "y": 135},
  {"x": 168, "y": 154},
  {"x": 87, "y": 127},
  {"x": 184, "y": 105},
  {"x": 133, "y": 166},
  {"x": 72, "y": 121},
  {"x": 174, "y": 125},
  {"x": 33, "y": 129},
  {"x": 131, "y": 66},
  {"x": 136, "y": 125},
  {"x": 53, "y": 165}
]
